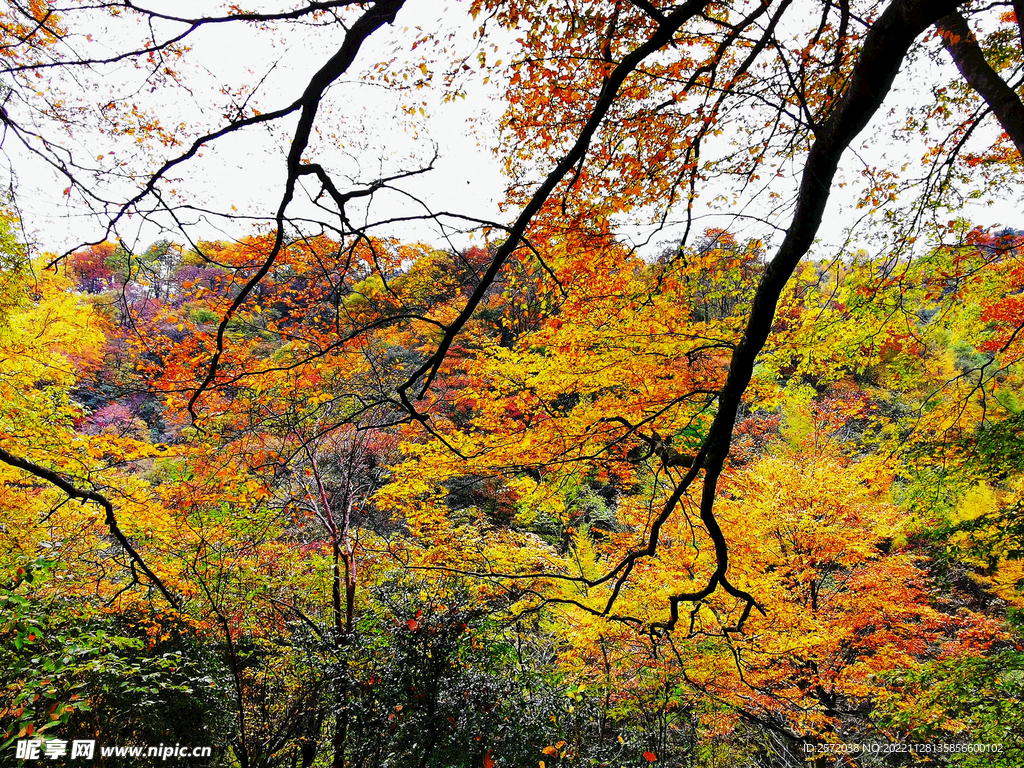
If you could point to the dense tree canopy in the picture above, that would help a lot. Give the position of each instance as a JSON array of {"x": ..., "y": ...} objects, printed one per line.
[{"x": 740, "y": 489}]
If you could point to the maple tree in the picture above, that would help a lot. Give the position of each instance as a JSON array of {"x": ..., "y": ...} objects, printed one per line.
[
  {"x": 625, "y": 41},
  {"x": 734, "y": 498}
]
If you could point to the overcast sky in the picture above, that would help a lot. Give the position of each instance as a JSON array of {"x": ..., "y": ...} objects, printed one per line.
[
  {"x": 372, "y": 136},
  {"x": 365, "y": 134}
]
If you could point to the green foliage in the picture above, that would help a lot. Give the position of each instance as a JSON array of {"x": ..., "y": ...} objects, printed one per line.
[
  {"x": 13, "y": 265},
  {"x": 450, "y": 673},
  {"x": 203, "y": 315},
  {"x": 42, "y": 667},
  {"x": 428, "y": 678},
  {"x": 974, "y": 700},
  {"x": 70, "y": 671}
]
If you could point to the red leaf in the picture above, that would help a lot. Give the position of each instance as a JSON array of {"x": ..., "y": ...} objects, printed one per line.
[{"x": 650, "y": 757}]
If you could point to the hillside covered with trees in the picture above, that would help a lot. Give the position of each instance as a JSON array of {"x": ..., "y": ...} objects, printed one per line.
[{"x": 529, "y": 493}]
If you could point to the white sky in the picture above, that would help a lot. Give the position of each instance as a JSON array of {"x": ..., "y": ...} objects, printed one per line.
[
  {"x": 246, "y": 170},
  {"x": 374, "y": 136}
]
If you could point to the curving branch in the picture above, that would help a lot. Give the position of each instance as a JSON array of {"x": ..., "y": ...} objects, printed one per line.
[
  {"x": 193, "y": 24},
  {"x": 381, "y": 13},
  {"x": 970, "y": 60},
  {"x": 110, "y": 520},
  {"x": 885, "y": 48},
  {"x": 666, "y": 30}
]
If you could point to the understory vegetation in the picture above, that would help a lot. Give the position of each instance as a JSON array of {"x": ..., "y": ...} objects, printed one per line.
[{"x": 335, "y": 590}]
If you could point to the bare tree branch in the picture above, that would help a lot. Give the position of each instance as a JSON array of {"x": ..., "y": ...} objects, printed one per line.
[
  {"x": 381, "y": 13},
  {"x": 884, "y": 50},
  {"x": 969, "y": 59},
  {"x": 91, "y": 495}
]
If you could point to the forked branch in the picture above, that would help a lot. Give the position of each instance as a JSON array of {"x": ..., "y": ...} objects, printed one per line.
[
  {"x": 970, "y": 60},
  {"x": 885, "y": 48}
]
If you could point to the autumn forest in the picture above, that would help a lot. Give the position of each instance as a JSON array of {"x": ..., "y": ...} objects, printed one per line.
[{"x": 703, "y": 447}]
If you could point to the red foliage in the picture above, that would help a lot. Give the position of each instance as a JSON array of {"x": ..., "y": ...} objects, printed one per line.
[{"x": 91, "y": 270}]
